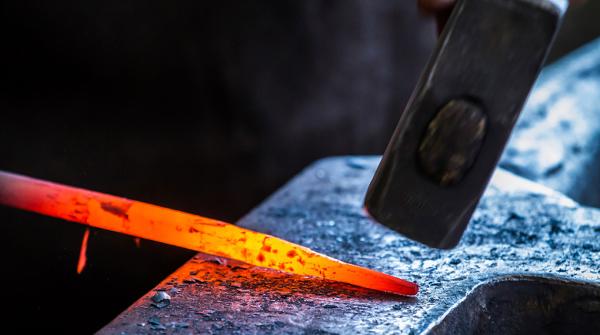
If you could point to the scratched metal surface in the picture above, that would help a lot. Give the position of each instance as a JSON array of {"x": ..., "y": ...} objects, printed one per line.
[
  {"x": 520, "y": 228},
  {"x": 556, "y": 141}
]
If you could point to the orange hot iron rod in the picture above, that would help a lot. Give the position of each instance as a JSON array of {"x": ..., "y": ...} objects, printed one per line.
[{"x": 186, "y": 230}]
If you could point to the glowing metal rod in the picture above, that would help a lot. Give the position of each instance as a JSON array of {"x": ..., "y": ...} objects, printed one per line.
[{"x": 187, "y": 231}]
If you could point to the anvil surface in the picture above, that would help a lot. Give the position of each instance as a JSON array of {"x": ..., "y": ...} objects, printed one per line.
[
  {"x": 529, "y": 261},
  {"x": 556, "y": 141}
]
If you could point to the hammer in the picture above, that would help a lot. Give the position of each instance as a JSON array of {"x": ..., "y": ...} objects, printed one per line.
[{"x": 453, "y": 131}]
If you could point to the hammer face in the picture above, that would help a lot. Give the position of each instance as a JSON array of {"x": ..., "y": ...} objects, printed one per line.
[{"x": 452, "y": 133}]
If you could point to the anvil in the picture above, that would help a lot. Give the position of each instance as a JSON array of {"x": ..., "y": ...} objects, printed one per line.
[{"x": 529, "y": 260}]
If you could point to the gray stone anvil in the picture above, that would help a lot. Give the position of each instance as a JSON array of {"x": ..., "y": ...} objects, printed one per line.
[{"x": 529, "y": 261}]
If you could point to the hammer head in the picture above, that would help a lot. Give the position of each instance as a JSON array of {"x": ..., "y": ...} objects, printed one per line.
[{"x": 460, "y": 116}]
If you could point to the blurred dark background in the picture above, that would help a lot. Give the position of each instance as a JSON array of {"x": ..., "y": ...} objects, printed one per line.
[{"x": 199, "y": 106}]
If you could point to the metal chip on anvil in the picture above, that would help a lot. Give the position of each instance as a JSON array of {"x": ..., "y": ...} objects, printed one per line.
[
  {"x": 158, "y": 327},
  {"x": 179, "y": 325},
  {"x": 239, "y": 267},
  {"x": 190, "y": 280},
  {"x": 217, "y": 260},
  {"x": 154, "y": 320},
  {"x": 161, "y": 299}
]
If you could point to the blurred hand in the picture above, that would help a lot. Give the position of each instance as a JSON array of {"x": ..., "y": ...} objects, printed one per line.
[{"x": 441, "y": 9}]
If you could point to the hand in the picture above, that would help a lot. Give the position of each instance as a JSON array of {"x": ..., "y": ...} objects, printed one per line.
[{"x": 442, "y": 9}]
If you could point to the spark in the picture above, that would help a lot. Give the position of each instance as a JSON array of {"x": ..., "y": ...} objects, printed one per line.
[{"x": 82, "y": 252}]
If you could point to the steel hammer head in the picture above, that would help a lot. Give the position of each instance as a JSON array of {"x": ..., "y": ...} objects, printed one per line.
[{"x": 460, "y": 116}]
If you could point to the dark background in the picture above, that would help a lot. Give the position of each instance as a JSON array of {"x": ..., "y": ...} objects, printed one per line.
[{"x": 197, "y": 106}]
